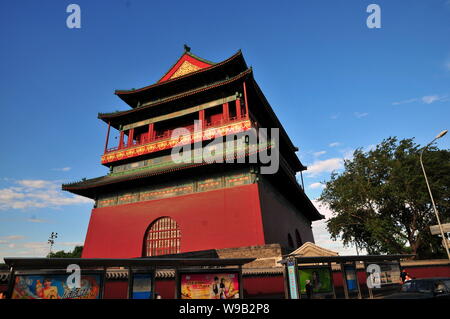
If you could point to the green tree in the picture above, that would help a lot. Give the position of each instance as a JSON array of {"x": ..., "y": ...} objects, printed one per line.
[
  {"x": 75, "y": 253},
  {"x": 381, "y": 203}
]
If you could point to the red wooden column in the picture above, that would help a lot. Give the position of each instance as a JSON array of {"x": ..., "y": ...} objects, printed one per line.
[
  {"x": 198, "y": 129},
  {"x": 130, "y": 137},
  {"x": 201, "y": 117},
  {"x": 238, "y": 108},
  {"x": 122, "y": 133},
  {"x": 225, "y": 112},
  {"x": 150, "y": 135},
  {"x": 107, "y": 137},
  {"x": 245, "y": 100}
]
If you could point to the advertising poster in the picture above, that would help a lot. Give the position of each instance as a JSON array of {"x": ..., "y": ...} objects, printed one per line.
[
  {"x": 292, "y": 282},
  {"x": 350, "y": 277},
  {"x": 383, "y": 274},
  {"x": 55, "y": 287},
  {"x": 210, "y": 286},
  {"x": 390, "y": 273},
  {"x": 319, "y": 278},
  {"x": 142, "y": 286}
]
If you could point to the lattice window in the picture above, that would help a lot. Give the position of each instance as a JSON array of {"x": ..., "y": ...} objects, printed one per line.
[{"x": 162, "y": 237}]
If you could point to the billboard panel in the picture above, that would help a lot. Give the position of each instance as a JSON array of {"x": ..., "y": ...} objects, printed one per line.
[
  {"x": 50, "y": 286},
  {"x": 210, "y": 285},
  {"x": 390, "y": 273},
  {"x": 382, "y": 274},
  {"x": 320, "y": 279}
]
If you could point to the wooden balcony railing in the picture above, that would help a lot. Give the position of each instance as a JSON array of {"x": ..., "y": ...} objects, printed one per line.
[{"x": 166, "y": 135}]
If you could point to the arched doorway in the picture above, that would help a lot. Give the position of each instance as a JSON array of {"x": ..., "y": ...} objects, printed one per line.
[{"x": 162, "y": 237}]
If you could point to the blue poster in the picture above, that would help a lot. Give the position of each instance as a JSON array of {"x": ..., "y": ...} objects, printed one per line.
[
  {"x": 142, "y": 286},
  {"x": 350, "y": 277}
]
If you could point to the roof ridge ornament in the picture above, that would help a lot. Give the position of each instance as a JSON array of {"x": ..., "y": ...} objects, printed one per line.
[{"x": 187, "y": 48}]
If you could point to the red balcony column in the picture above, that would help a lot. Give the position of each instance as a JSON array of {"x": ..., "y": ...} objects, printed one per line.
[
  {"x": 151, "y": 132},
  {"x": 245, "y": 100},
  {"x": 107, "y": 137},
  {"x": 225, "y": 112},
  {"x": 130, "y": 137},
  {"x": 238, "y": 108},
  {"x": 122, "y": 133},
  {"x": 201, "y": 117}
]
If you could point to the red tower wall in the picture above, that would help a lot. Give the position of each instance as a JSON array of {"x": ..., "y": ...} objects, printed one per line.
[
  {"x": 281, "y": 218},
  {"x": 224, "y": 218}
]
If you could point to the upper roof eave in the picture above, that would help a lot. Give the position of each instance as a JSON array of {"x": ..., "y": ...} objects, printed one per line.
[
  {"x": 106, "y": 116},
  {"x": 213, "y": 66}
]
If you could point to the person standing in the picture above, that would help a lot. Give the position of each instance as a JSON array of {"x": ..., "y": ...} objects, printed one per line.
[
  {"x": 309, "y": 289},
  {"x": 215, "y": 289},
  {"x": 405, "y": 276}
]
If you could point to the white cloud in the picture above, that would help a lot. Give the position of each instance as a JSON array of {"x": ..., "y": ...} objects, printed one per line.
[
  {"x": 28, "y": 249},
  {"x": 10, "y": 241},
  {"x": 36, "y": 220},
  {"x": 427, "y": 99},
  {"x": 316, "y": 185},
  {"x": 62, "y": 169},
  {"x": 334, "y": 116},
  {"x": 323, "y": 208},
  {"x": 321, "y": 235},
  {"x": 37, "y": 194},
  {"x": 34, "y": 249},
  {"x": 348, "y": 154},
  {"x": 360, "y": 115},
  {"x": 14, "y": 237},
  {"x": 35, "y": 183},
  {"x": 325, "y": 166},
  {"x": 319, "y": 153},
  {"x": 334, "y": 144},
  {"x": 405, "y": 101}
]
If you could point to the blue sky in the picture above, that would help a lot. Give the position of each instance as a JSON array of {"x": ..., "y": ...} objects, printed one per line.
[{"x": 335, "y": 85}]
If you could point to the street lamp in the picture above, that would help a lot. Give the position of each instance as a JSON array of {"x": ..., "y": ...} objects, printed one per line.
[
  {"x": 431, "y": 195},
  {"x": 51, "y": 241}
]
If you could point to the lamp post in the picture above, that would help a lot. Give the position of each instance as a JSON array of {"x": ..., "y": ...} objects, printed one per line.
[
  {"x": 51, "y": 241},
  {"x": 431, "y": 195}
]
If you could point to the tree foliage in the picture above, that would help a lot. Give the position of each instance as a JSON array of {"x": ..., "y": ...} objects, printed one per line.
[
  {"x": 75, "y": 253},
  {"x": 381, "y": 203}
]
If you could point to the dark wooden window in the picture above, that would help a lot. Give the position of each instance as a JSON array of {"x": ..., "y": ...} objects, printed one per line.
[{"x": 162, "y": 237}]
